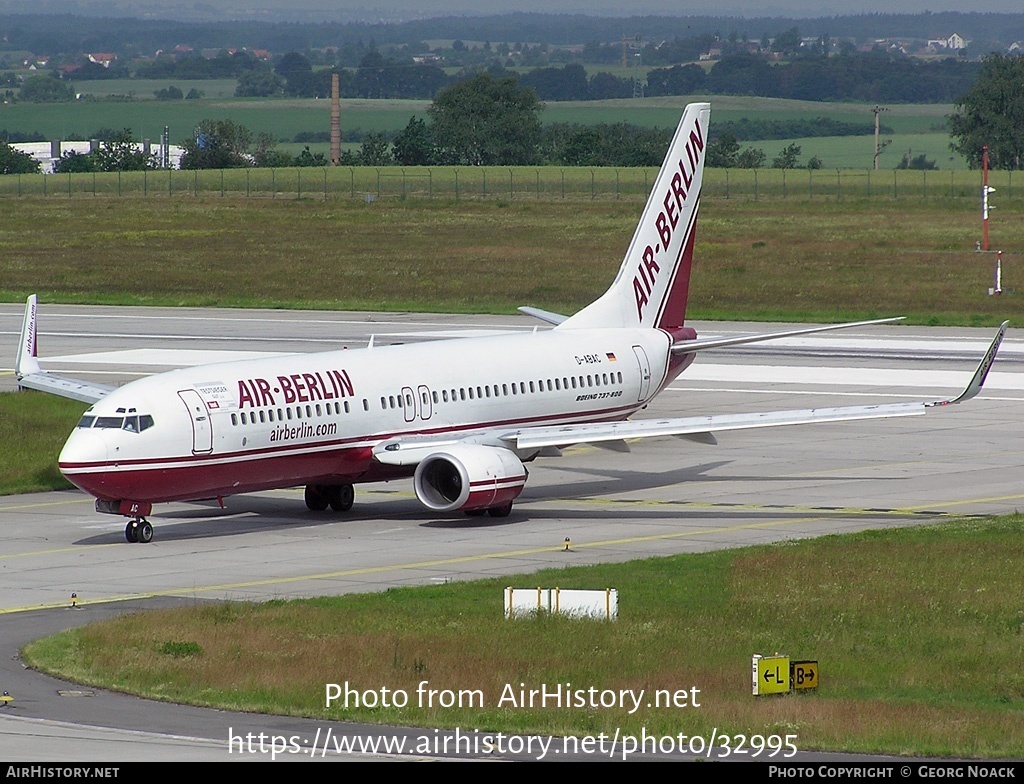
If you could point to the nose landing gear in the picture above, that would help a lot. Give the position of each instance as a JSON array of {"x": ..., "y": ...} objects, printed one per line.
[{"x": 139, "y": 530}]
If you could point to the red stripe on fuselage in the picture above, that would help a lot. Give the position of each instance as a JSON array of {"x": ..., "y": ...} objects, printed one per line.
[{"x": 342, "y": 461}]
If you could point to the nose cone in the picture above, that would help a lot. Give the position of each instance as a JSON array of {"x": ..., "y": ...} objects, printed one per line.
[{"x": 83, "y": 460}]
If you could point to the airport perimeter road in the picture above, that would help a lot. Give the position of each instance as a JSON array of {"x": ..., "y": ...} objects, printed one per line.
[{"x": 668, "y": 496}]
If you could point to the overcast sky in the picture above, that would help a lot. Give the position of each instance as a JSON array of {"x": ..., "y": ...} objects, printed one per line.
[{"x": 371, "y": 10}]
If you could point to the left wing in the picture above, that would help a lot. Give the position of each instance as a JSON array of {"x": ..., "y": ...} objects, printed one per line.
[
  {"x": 31, "y": 376},
  {"x": 411, "y": 451}
]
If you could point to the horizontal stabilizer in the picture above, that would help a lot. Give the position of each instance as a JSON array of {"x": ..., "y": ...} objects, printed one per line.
[
  {"x": 690, "y": 346},
  {"x": 544, "y": 315}
]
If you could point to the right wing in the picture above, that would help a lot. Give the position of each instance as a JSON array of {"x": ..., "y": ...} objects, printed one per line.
[
  {"x": 408, "y": 451},
  {"x": 702, "y": 428}
]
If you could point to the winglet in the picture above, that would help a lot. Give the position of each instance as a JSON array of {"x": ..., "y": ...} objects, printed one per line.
[
  {"x": 978, "y": 379},
  {"x": 26, "y": 363}
]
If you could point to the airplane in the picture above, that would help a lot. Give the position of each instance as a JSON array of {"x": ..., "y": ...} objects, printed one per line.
[{"x": 461, "y": 416}]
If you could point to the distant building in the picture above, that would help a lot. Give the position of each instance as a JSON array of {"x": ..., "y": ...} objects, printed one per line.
[
  {"x": 952, "y": 43},
  {"x": 48, "y": 153},
  {"x": 102, "y": 58},
  {"x": 956, "y": 42}
]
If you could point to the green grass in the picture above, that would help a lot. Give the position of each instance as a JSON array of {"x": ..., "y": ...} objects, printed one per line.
[
  {"x": 777, "y": 258},
  {"x": 918, "y": 632},
  {"x": 281, "y": 117},
  {"x": 33, "y": 427},
  {"x": 143, "y": 89}
]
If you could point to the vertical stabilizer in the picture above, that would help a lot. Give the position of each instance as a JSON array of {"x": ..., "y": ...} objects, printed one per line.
[
  {"x": 26, "y": 363},
  {"x": 651, "y": 287}
]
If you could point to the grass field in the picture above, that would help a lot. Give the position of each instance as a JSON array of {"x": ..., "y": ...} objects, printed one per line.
[
  {"x": 33, "y": 428},
  {"x": 787, "y": 259},
  {"x": 917, "y": 631},
  {"x": 143, "y": 89}
]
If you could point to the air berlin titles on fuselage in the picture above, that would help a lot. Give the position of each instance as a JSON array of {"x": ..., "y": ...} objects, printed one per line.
[
  {"x": 668, "y": 218},
  {"x": 294, "y": 388}
]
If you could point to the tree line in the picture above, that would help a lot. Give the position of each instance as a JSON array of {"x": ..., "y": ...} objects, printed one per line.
[
  {"x": 505, "y": 129},
  {"x": 860, "y": 77},
  {"x": 53, "y": 34}
]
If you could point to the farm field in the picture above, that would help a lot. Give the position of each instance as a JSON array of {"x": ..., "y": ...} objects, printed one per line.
[{"x": 917, "y": 127}]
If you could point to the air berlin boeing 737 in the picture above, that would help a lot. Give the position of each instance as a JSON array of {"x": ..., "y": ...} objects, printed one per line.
[{"x": 462, "y": 417}]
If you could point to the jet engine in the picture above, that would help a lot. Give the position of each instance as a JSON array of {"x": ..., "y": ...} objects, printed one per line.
[{"x": 469, "y": 477}]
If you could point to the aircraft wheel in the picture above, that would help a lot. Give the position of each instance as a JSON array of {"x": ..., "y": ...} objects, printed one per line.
[
  {"x": 475, "y": 512},
  {"x": 342, "y": 497},
  {"x": 131, "y": 532},
  {"x": 145, "y": 532},
  {"x": 500, "y": 511},
  {"x": 316, "y": 498}
]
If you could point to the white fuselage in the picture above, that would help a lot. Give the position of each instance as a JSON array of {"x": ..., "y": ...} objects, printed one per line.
[{"x": 216, "y": 430}]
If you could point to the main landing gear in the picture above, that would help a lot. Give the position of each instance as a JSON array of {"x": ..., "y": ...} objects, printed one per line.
[
  {"x": 338, "y": 497},
  {"x": 139, "y": 530},
  {"x": 502, "y": 510}
]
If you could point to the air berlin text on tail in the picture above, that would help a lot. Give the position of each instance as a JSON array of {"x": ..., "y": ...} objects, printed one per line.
[{"x": 668, "y": 219}]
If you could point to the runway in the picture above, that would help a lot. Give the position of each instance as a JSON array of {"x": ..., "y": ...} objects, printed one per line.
[{"x": 668, "y": 496}]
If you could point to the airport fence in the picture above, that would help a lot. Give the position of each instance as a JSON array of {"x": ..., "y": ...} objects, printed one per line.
[{"x": 506, "y": 183}]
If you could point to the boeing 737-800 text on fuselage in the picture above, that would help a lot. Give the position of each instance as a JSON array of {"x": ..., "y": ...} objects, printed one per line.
[{"x": 463, "y": 416}]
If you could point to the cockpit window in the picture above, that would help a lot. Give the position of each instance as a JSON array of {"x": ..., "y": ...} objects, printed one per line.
[{"x": 133, "y": 423}]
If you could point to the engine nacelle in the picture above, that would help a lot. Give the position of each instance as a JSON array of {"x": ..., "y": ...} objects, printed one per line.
[{"x": 468, "y": 477}]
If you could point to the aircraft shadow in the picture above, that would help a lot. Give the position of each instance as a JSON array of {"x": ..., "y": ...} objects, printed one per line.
[{"x": 246, "y": 514}]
